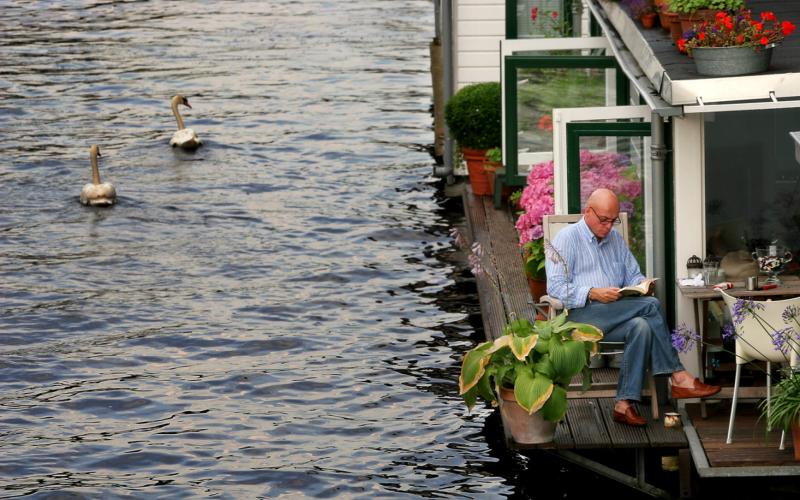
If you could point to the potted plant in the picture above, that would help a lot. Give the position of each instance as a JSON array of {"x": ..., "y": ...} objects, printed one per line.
[
  {"x": 491, "y": 162},
  {"x": 735, "y": 44},
  {"x": 696, "y": 11},
  {"x": 536, "y": 201},
  {"x": 643, "y": 10},
  {"x": 782, "y": 409},
  {"x": 474, "y": 116},
  {"x": 527, "y": 371}
]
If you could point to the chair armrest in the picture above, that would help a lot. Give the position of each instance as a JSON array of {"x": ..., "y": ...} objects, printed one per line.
[{"x": 552, "y": 302}]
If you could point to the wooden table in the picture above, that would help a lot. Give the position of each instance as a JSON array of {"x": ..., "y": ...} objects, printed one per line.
[{"x": 702, "y": 295}]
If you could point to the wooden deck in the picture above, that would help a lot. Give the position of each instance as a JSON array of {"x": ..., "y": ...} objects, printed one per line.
[{"x": 588, "y": 424}]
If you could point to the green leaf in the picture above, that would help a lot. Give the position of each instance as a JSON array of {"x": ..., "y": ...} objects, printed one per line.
[
  {"x": 473, "y": 366},
  {"x": 471, "y": 397},
  {"x": 556, "y": 407},
  {"x": 586, "y": 382},
  {"x": 520, "y": 327},
  {"x": 559, "y": 320},
  {"x": 568, "y": 358},
  {"x": 586, "y": 332},
  {"x": 521, "y": 346},
  {"x": 545, "y": 367},
  {"x": 532, "y": 390},
  {"x": 543, "y": 328},
  {"x": 542, "y": 346}
]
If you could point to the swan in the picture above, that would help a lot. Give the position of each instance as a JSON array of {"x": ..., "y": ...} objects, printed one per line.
[
  {"x": 95, "y": 193},
  {"x": 184, "y": 138}
]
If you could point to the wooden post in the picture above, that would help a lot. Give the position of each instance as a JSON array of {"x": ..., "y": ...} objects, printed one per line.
[{"x": 438, "y": 99}]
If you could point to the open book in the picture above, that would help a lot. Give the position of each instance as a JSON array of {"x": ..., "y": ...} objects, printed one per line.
[{"x": 635, "y": 290}]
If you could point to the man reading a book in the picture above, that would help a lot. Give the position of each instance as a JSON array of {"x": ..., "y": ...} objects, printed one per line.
[{"x": 588, "y": 264}]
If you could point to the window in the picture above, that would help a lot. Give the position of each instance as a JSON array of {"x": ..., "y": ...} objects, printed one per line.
[{"x": 752, "y": 185}]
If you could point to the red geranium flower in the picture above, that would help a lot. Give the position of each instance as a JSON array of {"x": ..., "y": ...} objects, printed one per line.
[
  {"x": 546, "y": 122},
  {"x": 740, "y": 30}
]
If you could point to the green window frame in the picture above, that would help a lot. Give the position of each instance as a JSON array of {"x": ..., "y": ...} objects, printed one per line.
[
  {"x": 577, "y": 130},
  {"x": 512, "y": 64},
  {"x": 512, "y": 27}
]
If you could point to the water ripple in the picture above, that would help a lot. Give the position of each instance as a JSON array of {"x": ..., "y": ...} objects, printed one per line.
[{"x": 266, "y": 316}]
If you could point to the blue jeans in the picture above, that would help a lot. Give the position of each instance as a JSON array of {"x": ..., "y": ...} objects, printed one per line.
[{"x": 638, "y": 322}]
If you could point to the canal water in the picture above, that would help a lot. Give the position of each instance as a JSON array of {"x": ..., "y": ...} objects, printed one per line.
[{"x": 278, "y": 314}]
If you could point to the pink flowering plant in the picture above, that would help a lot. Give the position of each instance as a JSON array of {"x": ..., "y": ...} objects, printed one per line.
[
  {"x": 784, "y": 410},
  {"x": 609, "y": 170}
]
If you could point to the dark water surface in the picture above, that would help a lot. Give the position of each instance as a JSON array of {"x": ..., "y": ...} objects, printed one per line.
[{"x": 275, "y": 314}]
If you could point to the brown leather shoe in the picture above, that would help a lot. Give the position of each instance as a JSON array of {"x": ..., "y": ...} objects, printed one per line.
[
  {"x": 630, "y": 417},
  {"x": 698, "y": 390}
]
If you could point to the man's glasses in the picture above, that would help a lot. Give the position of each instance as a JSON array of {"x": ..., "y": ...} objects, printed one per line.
[{"x": 605, "y": 220}]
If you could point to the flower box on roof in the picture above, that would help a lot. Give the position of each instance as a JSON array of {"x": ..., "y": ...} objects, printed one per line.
[{"x": 675, "y": 77}]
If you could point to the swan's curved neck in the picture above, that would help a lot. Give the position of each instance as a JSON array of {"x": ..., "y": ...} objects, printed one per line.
[
  {"x": 177, "y": 114},
  {"x": 95, "y": 168}
]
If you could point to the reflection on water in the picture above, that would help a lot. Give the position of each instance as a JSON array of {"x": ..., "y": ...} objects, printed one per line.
[{"x": 276, "y": 313}]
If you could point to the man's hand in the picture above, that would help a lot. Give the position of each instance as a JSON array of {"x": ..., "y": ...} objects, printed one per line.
[{"x": 604, "y": 295}]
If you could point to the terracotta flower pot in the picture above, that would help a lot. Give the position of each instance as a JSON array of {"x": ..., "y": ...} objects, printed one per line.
[
  {"x": 537, "y": 288},
  {"x": 524, "y": 428},
  {"x": 674, "y": 26},
  {"x": 648, "y": 20},
  {"x": 663, "y": 19},
  {"x": 477, "y": 174},
  {"x": 796, "y": 440},
  {"x": 491, "y": 167}
]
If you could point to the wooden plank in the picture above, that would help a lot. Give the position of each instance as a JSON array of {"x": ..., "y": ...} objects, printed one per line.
[
  {"x": 508, "y": 259},
  {"x": 752, "y": 447},
  {"x": 663, "y": 437},
  {"x": 621, "y": 435},
  {"x": 492, "y": 311},
  {"x": 563, "y": 438},
  {"x": 586, "y": 424}
]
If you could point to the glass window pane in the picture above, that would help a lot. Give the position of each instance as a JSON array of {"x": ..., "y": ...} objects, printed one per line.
[
  {"x": 752, "y": 186},
  {"x": 540, "y": 90},
  {"x": 618, "y": 164},
  {"x": 546, "y": 21}
]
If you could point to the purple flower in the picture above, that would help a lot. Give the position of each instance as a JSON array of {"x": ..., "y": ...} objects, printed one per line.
[
  {"x": 728, "y": 331},
  {"x": 781, "y": 338},
  {"x": 684, "y": 338},
  {"x": 742, "y": 308},
  {"x": 791, "y": 313}
]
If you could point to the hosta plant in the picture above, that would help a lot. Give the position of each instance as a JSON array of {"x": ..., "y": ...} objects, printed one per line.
[{"x": 537, "y": 359}]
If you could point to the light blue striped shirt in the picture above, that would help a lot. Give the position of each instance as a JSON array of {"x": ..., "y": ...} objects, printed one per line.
[{"x": 589, "y": 264}]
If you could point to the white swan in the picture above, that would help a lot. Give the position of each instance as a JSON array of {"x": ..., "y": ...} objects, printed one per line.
[
  {"x": 184, "y": 138},
  {"x": 95, "y": 193}
]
